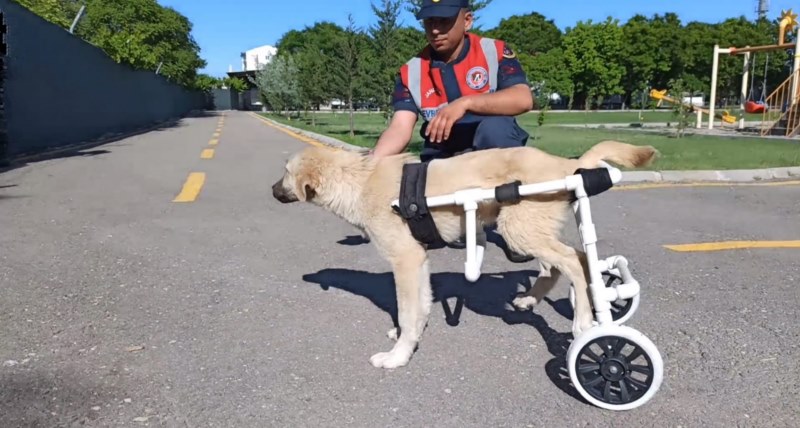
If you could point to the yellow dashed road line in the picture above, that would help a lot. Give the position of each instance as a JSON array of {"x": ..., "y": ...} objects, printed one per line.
[
  {"x": 207, "y": 154},
  {"x": 191, "y": 188},
  {"x": 731, "y": 245}
]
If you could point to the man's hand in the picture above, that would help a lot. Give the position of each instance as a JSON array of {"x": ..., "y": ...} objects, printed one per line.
[{"x": 440, "y": 126}]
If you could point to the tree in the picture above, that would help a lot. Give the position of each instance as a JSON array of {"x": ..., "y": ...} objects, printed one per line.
[
  {"x": 531, "y": 34},
  {"x": 352, "y": 72},
  {"x": 278, "y": 83},
  {"x": 144, "y": 35},
  {"x": 592, "y": 53},
  {"x": 59, "y": 12},
  {"x": 547, "y": 74},
  {"x": 386, "y": 39},
  {"x": 651, "y": 52},
  {"x": 313, "y": 78}
]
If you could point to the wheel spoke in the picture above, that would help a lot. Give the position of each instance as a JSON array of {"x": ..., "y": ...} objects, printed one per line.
[
  {"x": 588, "y": 368},
  {"x": 637, "y": 352},
  {"x": 636, "y": 383},
  {"x": 620, "y": 344},
  {"x": 594, "y": 381},
  {"x": 606, "y": 345},
  {"x": 607, "y": 392},
  {"x": 623, "y": 391},
  {"x": 641, "y": 369},
  {"x": 589, "y": 353}
]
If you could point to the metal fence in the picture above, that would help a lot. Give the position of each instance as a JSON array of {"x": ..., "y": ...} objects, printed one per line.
[{"x": 58, "y": 90}]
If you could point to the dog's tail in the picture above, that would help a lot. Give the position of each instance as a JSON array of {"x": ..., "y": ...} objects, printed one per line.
[{"x": 622, "y": 154}]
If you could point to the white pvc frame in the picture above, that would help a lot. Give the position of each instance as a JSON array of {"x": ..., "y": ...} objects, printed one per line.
[{"x": 618, "y": 265}]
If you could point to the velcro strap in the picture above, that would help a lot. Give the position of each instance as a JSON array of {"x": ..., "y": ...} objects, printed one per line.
[
  {"x": 595, "y": 180},
  {"x": 508, "y": 192},
  {"x": 413, "y": 205}
]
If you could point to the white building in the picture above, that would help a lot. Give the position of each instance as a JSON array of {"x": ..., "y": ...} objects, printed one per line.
[{"x": 254, "y": 58}]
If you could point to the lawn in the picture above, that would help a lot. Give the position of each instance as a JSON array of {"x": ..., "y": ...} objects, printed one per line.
[{"x": 692, "y": 152}]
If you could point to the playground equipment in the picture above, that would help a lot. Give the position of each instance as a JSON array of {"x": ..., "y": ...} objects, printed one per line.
[
  {"x": 611, "y": 365},
  {"x": 662, "y": 96},
  {"x": 783, "y": 111}
]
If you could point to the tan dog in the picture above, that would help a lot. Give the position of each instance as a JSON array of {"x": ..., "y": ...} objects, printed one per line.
[{"x": 360, "y": 189}]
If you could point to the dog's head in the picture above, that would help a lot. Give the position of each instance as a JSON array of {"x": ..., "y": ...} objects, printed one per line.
[{"x": 301, "y": 177}]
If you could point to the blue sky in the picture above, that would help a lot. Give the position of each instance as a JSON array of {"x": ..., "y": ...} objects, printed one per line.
[{"x": 225, "y": 29}]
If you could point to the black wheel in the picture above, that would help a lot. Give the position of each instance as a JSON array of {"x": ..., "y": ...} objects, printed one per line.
[{"x": 615, "y": 367}]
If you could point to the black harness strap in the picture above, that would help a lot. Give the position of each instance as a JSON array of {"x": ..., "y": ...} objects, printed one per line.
[
  {"x": 595, "y": 180},
  {"x": 413, "y": 205}
]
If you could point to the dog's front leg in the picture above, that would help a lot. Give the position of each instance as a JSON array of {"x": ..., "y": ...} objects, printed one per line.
[{"x": 414, "y": 300}]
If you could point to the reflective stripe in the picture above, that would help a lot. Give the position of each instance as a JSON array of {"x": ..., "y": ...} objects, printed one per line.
[
  {"x": 490, "y": 51},
  {"x": 415, "y": 80}
]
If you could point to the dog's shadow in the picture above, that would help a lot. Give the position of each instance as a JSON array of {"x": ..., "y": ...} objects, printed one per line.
[{"x": 490, "y": 295}]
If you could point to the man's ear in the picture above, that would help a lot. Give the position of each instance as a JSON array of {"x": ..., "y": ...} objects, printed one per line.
[{"x": 469, "y": 20}]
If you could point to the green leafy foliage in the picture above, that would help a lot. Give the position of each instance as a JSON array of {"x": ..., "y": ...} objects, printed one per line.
[
  {"x": 593, "y": 55},
  {"x": 139, "y": 33}
]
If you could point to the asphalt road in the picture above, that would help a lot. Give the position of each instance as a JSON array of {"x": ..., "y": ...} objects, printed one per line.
[{"x": 120, "y": 307}]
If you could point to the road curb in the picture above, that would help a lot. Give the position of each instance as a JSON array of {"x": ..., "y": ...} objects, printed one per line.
[
  {"x": 324, "y": 139},
  {"x": 691, "y": 176}
]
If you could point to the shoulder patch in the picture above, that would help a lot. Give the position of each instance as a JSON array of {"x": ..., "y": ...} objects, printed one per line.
[{"x": 508, "y": 53}]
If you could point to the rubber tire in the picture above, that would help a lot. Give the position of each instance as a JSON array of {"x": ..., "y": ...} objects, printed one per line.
[{"x": 630, "y": 334}]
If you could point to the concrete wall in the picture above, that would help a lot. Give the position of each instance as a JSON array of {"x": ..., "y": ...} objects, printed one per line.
[{"x": 61, "y": 90}]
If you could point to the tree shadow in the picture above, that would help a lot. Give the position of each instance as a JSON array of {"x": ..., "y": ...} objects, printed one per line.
[
  {"x": 489, "y": 296},
  {"x": 83, "y": 148}
]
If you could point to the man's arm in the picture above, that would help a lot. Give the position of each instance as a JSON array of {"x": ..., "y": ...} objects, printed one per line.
[
  {"x": 513, "y": 96},
  {"x": 397, "y": 136},
  {"x": 511, "y": 101}
]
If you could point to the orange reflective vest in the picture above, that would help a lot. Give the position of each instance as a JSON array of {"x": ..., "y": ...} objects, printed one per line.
[{"x": 476, "y": 74}]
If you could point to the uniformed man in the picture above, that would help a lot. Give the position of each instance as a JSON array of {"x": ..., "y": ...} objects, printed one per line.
[{"x": 467, "y": 89}]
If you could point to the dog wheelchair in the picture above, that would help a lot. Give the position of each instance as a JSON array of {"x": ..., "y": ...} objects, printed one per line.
[{"x": 612, "y": 366}]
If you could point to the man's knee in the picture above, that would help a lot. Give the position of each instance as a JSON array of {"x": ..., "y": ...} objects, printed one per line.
[{"x": 499, "y": 132}]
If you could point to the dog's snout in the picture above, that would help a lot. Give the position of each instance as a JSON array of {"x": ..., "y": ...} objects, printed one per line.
[{"x": 279, "y": 193}]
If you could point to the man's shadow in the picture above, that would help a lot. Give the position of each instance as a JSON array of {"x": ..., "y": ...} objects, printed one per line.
[{"x": 491, "y": 295}]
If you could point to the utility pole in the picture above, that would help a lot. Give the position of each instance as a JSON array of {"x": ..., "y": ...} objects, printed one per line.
[{"x": 763, "y": 8}]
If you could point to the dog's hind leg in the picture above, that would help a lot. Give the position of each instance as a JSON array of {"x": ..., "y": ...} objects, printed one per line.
[
  {"x": 545, "y": 281},
  {"x": 526, "y": 238},
  {"x": 414, "y": 301}
]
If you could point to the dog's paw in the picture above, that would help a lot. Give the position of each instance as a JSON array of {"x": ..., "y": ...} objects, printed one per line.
[
  {"x": 581, "y": 324},
  {"x": 389, "y": 360},
  {"x": 392, "y": 334},
  {"x": 524, "y": 303}
]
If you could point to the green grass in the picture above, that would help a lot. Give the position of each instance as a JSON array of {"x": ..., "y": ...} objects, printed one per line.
[{"x": 692, "y": 152}]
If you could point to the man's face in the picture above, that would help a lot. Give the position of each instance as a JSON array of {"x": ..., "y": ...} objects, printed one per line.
[{"x": 444, "y": 34}]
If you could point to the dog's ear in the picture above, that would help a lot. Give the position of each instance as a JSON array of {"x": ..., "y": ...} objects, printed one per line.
[{"x": 307, "y": 183}]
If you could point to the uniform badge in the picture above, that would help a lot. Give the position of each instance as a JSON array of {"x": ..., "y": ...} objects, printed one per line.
[
  {"x": 508, "y": 53},
  {"x": 477, "y": 77}
]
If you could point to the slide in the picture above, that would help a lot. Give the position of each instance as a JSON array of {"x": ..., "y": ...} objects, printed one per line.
[{"x": 662, "y": 96}]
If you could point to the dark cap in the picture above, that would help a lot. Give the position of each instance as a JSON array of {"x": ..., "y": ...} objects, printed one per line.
[{"x": 441, "y": 8}]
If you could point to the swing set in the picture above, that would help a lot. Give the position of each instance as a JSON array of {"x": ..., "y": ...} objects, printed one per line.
[
  {"x": 751, "y": 106},
  {"x": 788, "y": 23}
]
